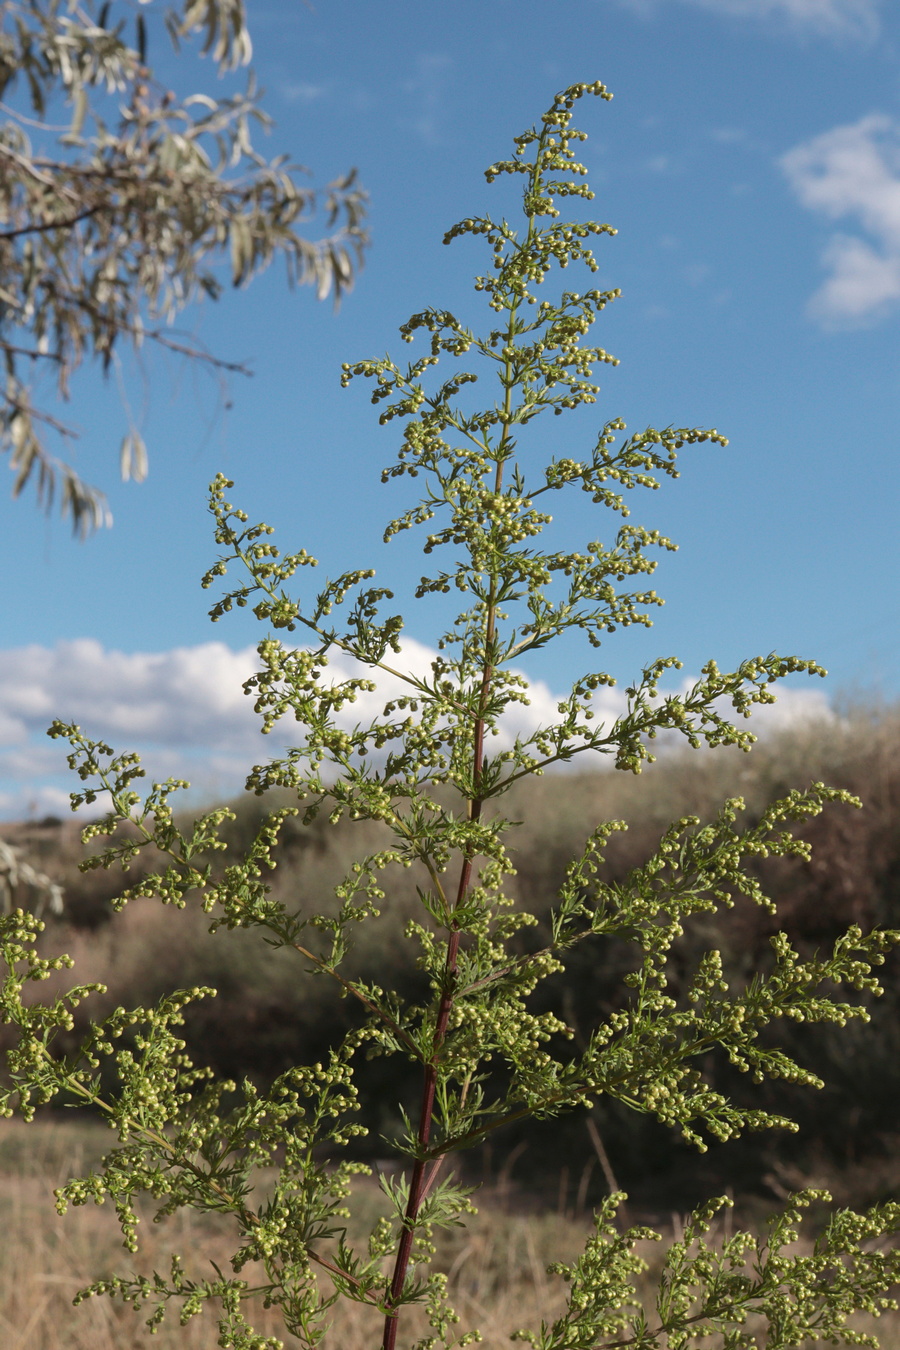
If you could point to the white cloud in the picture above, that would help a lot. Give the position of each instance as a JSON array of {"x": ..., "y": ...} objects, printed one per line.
[
  {"x": 186, "y": 696},
  {"x": 854, "y": 172},
  {"x": 185, "y": 712},
  {"x": 301, "y": 91},
  {"x": 728, "y": 135},
  {"x": 427, "y": 88},
  {"x": 795, "y": 707},
  {"x": 44, "y": 800},
  {"x": 858, "y": 19}
]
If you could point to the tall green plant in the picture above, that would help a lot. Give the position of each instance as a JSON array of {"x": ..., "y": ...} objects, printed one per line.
[{"x": 485, "y": 1058}]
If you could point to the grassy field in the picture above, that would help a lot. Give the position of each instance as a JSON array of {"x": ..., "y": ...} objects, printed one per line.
[{"x": 496, "y": 1265}]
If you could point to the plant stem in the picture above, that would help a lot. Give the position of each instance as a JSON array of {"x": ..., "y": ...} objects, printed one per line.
[
  {"x": 425, "y": 1169},
  {"x": 424, "y": 1175}
]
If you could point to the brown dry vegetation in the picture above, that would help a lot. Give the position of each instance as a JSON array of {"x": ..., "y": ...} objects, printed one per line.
[{"x": 496, "y": 1265}]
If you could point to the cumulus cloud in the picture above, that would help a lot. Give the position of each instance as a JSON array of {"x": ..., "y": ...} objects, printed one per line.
[
  {"x": 301, "y": 91},
  {"x": 427, "y": 87},
  {"x": 858, "y": 19},
  {"x": 190, "y": 696},
  {"x": 853, "y": 172},
  {"x": 42, "y": 801},
  {"x": 185, "y": 712}
]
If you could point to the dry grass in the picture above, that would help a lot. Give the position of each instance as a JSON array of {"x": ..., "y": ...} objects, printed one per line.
[{"x": 496, "y": 1265}]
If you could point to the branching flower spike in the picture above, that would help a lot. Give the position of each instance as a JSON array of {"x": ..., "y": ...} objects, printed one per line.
[{"x": 428, "y": 776}]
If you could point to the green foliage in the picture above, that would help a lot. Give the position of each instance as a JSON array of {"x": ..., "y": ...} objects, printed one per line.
[
  {"x": 706, "y": 1289},
  {"x": 111, "y": 232},
  {"x": 486, "y": 1057}
]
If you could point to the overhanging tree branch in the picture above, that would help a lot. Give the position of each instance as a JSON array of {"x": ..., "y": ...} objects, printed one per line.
[{"x": 129, "y": 222}]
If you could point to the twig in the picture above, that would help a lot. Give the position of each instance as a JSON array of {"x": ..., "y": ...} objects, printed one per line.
[
  {"x": 54, "y": 224},
  {"x": 602, "y": 1154}
]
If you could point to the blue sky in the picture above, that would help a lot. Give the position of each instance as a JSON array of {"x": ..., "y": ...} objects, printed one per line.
[{"x": 750, "y": 161}]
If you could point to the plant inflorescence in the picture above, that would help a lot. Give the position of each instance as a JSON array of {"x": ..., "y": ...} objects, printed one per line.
[{"x": 432, "y": 769}]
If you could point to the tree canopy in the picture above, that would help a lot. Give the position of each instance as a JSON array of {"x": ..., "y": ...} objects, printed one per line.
[{"x": 120, "y": 201}]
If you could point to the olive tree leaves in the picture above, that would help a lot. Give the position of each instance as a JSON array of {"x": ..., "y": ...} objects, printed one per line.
[{"x": 110, "y": 227}]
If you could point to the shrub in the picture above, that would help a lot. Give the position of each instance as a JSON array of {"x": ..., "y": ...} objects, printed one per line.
[{"x": 486, "y": 1056}]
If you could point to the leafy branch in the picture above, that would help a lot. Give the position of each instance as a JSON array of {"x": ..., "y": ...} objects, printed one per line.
[
  {"x": 421, "y": 769},
  {"x": 109, "y": 239}
]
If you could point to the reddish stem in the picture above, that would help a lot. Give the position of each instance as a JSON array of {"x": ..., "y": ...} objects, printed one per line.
[{"x": 425, "y": 1170}]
